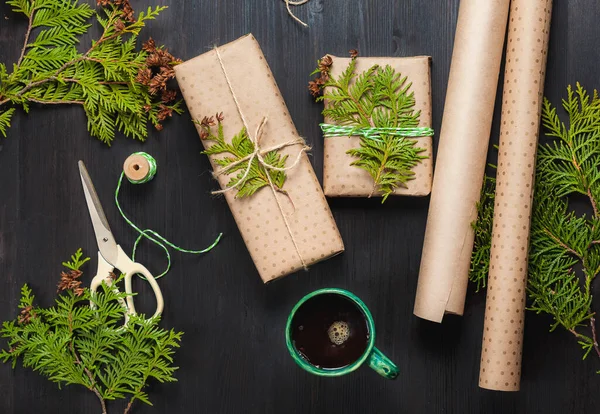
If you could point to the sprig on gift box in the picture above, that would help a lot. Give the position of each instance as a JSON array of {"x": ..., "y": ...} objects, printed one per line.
[
  {"x": 242, "y": 147},
  {"x": 562, "y": 241},
  {"x": 72, "y": 343},
  {"x": 375, "y": 100},
  {"x": 119, "y": 87}
]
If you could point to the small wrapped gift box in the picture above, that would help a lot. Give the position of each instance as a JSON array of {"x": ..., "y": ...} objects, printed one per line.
[
  {"x": 340, "y": 178},
  {"x": 286, "y": 227}
]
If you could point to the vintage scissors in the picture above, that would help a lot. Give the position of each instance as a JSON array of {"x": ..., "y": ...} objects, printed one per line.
[{"x": 110, "y": 254}]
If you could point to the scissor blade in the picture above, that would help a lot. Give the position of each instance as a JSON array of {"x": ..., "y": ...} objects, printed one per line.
[{"x": 104, "y": 237}]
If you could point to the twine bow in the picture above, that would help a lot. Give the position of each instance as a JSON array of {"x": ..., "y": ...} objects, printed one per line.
[{"x": 258, "y": 155}]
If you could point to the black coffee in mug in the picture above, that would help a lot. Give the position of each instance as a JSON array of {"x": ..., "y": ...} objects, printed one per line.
[{"x": 330, "y": 331}]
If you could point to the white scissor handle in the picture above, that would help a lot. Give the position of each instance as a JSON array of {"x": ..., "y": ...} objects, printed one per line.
[
  {"x": 130, "y": 268},
  {"x": 103, "y": 274}
]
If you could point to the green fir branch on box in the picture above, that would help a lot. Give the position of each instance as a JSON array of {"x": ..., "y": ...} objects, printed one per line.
[
  {"x": 376, "y": 98},
  {"x": 110, "y": 80},
  {"x": 241, "y": 147},
  {"x": 564, "y": 254},
  {"x": 72, "y": 343}
]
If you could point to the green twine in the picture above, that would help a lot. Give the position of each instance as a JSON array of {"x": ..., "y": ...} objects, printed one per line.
[
  {"x": 149, "y": 233},
  {"x": 151, "y": 173},
  {"x": 330, "y": 130}
]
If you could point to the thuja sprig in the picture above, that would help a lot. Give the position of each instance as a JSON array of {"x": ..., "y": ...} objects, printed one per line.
[
  {"x": 564, "y": 255},
  {"x": 110, "y": 80},
  {"x": 377, "y": 98},
  {"x": 241, "y": 146},
  {"x": 483, "y": 229},
  {"x": 72, "y": 343}
]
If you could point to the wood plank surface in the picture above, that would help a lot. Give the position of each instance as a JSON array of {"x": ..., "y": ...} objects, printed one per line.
[{"x": 233, "y": 357}]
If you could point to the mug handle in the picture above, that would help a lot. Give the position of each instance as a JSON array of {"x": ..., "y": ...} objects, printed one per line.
[{"x": 382, "y": 364}]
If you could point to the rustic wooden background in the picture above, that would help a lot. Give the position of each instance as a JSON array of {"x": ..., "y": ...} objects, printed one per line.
[{"x": 233, "y": 358}]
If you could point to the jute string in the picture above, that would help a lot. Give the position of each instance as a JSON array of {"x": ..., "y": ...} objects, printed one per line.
[
  {"x": 258, "y": 155},
  {"x": 289, "y": 3}
]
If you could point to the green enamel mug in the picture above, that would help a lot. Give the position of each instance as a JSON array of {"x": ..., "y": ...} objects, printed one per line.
[{"x": 371, "y": 355}]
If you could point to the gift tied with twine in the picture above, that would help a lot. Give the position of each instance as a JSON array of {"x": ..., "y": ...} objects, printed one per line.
[
  {"x": 374, "y": 134},
  {"x": 140, "y": 168},
  {"x": 257, "y": 154}
]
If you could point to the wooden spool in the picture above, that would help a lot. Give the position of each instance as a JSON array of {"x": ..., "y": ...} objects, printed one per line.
[{"x": 136, "y": 167}]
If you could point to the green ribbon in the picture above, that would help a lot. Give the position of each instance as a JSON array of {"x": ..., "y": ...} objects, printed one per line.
[
  {"x": 149, "y": 233},
  {"x": 330, "y": 131}
]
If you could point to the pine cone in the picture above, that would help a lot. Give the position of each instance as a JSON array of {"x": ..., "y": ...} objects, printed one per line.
[
  {"x": 325, "y": 63},
  {"x": 68, "y": 281}
]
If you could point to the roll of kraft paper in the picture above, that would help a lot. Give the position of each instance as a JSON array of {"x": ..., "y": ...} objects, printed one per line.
[
  {"x": 527, "y": 50},
  {"x": 460, "y": 164}
]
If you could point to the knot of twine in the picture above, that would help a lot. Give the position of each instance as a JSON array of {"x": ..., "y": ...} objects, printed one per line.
[
  {"x": 374, "y": 133},
  {"x": 289, "y": 3},
  {"x": 258, "y": 155}
]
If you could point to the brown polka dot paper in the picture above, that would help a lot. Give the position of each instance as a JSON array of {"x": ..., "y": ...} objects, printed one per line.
[
  {"x": 527, "y": 49},
  {"x": 311, "y": 234},
  {"x": 340, "y": 179},
  {"x": 461, "y": 157}
]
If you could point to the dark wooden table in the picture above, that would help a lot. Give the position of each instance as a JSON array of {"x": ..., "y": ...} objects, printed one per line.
[{"x": 233, "y": 358}]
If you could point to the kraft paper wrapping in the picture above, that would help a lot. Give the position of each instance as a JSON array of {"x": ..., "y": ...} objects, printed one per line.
[
  {"x": 311, "y": 225},
  {"x": 461, "y": 158},
  {"x": 340, "y": 179},
  {"x": 521, "y": 111}
]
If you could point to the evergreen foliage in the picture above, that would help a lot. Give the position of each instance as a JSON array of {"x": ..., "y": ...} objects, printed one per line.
[
  {"x": 74, "y": 343},
  {"x": 241, "y": 146},
  {"x": 562, "y": 241},
  {"x": 483, "y": 230},
  {"x": 378, "y": 97},
  {"x": 5, "y": 120},
  {"x": 51, "y": 70}
]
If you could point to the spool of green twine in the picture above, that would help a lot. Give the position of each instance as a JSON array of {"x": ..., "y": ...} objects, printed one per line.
[{"x": 140, "y": 168}]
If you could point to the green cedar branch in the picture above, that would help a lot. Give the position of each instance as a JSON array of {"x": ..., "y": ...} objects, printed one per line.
[
  {"x": 5, "y": 120},
  {"x": 242, "y": 146},
  {"x": 104, "y": 80},
  {"x": 73, "y": 343},
  {"x": 562, "y": 241},
  {"x": 483, "y": 230}
]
